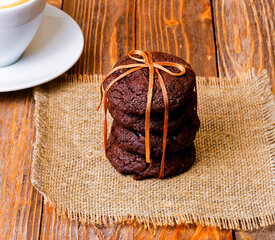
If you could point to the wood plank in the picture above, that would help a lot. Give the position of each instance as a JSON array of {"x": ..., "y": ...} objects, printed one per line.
[
  {"x": 264, "y": 233},
  {"x": 108, "y": 28},
  {"x": 186, "y": 31},
  {"x": 56, "y": 3},
  {"x": 245, "y": 36},
  {"x": 183, "y": 232},
  {"x": 183, "y": 28},
  {"x": 20, "y": 203},
  {"x": 60, "y": 227}
]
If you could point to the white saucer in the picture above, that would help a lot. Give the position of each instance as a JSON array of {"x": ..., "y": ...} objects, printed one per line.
[{"x": 56, "y": 47}]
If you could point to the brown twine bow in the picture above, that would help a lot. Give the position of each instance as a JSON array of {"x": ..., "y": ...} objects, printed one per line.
[{"x": 146, "y": 60}]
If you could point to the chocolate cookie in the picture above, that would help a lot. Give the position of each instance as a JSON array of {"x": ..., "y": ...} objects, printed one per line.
[
  {"x": 130, "y": 93},
  {"x": 130, "y": 163},
  {"x": 134, "y": 141},
  {"x": 137, "y": 122}
]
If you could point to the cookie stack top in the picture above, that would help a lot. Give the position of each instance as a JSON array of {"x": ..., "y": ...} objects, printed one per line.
[{"x": 130, "y": 93}]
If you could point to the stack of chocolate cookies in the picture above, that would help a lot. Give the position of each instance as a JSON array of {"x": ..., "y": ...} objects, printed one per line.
[{"x": 127, "y": 101}]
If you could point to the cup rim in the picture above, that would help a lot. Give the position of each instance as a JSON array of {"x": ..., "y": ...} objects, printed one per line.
[
  {"x": 21, "y": 14},
  {"x": 22, "y": 5}
]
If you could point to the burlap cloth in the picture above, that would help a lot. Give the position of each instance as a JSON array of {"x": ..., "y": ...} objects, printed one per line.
[{"x": 231, "y": 184}]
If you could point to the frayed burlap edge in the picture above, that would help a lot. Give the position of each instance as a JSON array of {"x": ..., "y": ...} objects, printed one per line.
[{"x": 263, "y": 88}]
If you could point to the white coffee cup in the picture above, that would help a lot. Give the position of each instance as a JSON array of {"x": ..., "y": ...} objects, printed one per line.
[{"x": 18, "y": 26}]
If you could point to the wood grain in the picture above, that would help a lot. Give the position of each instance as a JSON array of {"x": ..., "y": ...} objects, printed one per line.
[
  {"x": 265, "y": 234},
  {"x": 109, "y": 30},
  {"x": 183, "y": 232},
  {"x": 245, "y": 36},
  {"x": 54, "y": 226},
  {"x": 183, "y": 28},
  {"x": 56, "y": 3},
  {"x": 20, "y": 203}
]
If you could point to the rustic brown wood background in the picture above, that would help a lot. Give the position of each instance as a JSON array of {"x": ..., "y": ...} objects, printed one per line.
[{"x": 218, "y": 38}]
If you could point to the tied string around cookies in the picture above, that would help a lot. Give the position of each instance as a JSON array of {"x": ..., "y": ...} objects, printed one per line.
[{"x": 146, "y": 61}]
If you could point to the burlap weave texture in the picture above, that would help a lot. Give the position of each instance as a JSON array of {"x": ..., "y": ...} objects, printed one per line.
[{"x": 231, "y": 184}]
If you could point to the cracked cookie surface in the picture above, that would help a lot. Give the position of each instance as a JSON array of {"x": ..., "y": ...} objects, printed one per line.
[{"x": 130, "y": 93}]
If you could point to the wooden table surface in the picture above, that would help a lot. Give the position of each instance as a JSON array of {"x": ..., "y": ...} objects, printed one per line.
[{"x": 218, "y": 38}]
